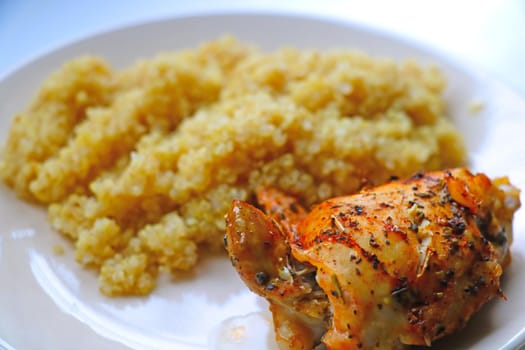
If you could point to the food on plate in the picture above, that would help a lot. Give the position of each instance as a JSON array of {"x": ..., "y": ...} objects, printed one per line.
[
  {"x": 404, "y": 263},
  {"x": 138, "y": 165}
]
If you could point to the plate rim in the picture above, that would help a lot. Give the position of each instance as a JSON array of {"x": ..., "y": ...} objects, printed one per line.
[{"x": 450, "y": 59}]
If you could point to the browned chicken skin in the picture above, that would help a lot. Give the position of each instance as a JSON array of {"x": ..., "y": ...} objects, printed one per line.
[{"x": 404, "y": 263}]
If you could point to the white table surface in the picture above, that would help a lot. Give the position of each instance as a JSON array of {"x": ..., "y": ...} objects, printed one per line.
[{"x": 489, "y": 34}]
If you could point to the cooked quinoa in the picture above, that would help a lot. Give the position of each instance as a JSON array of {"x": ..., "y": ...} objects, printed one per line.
[{"x": 138, "y": 166}]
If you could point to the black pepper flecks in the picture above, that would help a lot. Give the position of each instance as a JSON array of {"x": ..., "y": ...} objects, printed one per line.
[
  {"x": 261, "y": 278},
  {"x": 457, "y": 224},
  {"x": 372, "y": 242}
]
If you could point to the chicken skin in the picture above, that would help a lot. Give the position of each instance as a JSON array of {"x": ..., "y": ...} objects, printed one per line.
[{"x": 404, "y": 263}]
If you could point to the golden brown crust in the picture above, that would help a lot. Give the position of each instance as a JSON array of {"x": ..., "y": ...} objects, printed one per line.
[{"x": 407, "y": 262}]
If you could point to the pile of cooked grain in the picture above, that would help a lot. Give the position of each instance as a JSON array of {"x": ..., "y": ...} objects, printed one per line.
[{"x": 139, "y": 166}]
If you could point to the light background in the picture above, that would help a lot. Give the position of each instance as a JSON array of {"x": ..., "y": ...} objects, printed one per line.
[{"x": 488, "y": 34}]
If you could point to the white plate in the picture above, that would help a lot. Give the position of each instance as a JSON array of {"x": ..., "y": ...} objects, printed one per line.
[{"x": 49, "y": 302}]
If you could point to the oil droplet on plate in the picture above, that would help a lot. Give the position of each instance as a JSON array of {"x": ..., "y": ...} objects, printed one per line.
[{"x": 252, "y": 331}]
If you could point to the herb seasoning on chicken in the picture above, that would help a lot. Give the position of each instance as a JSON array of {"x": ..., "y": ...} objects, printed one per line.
[{"x": 405, "y": 263}]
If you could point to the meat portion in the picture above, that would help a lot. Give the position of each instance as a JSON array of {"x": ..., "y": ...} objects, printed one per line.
[{"x": 404, "y": 263}]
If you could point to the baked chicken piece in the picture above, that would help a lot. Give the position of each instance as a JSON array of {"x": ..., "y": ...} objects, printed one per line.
[{"x": 404, "y": 263}]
